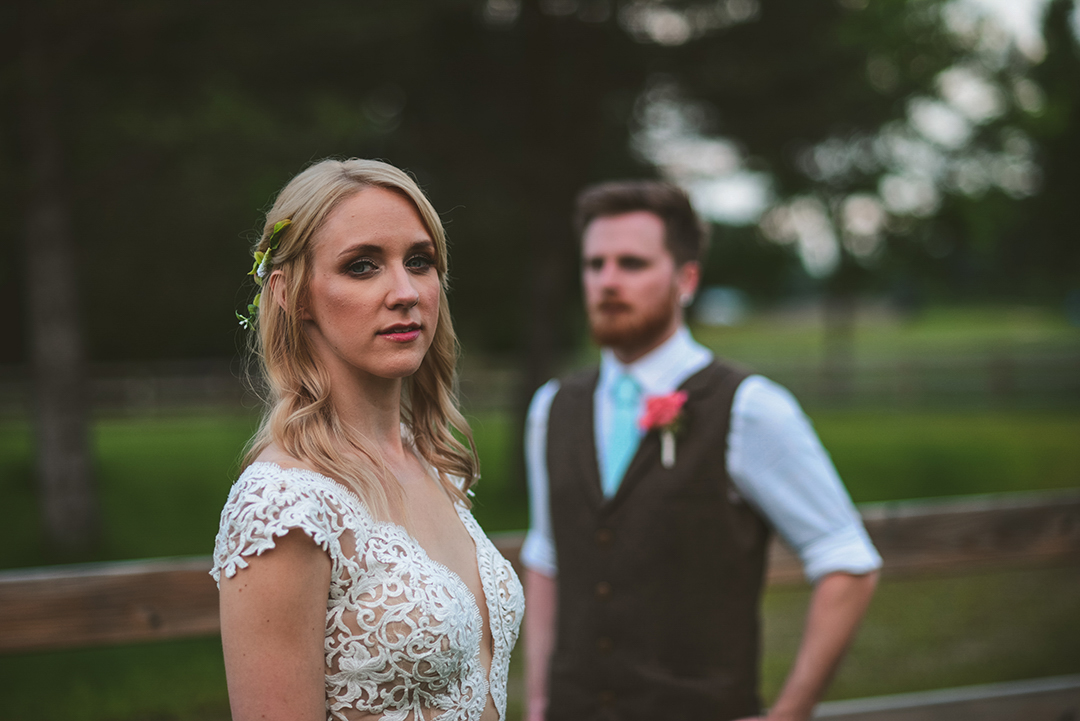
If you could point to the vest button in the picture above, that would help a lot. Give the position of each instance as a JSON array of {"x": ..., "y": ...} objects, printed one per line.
[
  {"x": 604, "y": 537},
  {"x": 604, "y": 644},
  {"x": 603, "y": 590}
]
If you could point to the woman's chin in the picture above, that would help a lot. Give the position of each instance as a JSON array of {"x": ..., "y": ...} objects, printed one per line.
[{"x": 398, "y": 371}]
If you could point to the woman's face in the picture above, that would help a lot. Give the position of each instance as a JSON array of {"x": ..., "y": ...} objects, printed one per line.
[{"x": 372, "y": 303}]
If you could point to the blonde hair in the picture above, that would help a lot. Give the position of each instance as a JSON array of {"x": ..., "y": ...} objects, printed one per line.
[{"x": 300, "y": 417}]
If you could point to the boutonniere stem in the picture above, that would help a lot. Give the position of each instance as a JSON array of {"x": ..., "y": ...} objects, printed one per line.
[
  {"x": 664, "y": 414},
  {"x": 667, "y": 448}
]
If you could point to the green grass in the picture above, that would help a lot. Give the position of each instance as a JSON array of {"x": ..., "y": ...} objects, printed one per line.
[
  {"x": 935, "y": 333},
  {"x": 942, "y": 632},
  {"x": 163, "y": 481},
  {"x": 167, "y": 681},
  {"x": 890, "y": 456},
  {"x": 919, "y": 634}
]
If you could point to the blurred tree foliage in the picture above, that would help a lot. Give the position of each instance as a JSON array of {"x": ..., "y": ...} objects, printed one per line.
[
  {"x": 906, "y": 144},
  {"x": 181, "y": 120},
  {"x": 1044, "y": 250},
  {"x": 994, "y": 244}
]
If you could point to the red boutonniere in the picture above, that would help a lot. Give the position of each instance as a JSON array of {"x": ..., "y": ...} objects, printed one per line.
[{"x": 664, "y": 413}]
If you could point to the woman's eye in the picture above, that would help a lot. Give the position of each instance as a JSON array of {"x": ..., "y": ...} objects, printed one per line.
[
  {"x": 419, "y": 262},
  {"x": 360, "y": 267}
]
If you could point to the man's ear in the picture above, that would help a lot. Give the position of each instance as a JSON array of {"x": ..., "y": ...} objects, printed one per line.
[{"x": 687, "y": 278}]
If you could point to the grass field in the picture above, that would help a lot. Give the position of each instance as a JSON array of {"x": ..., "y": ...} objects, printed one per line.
[
  {"x": 935, "y": 333},
  {"x": 163, "y": 480},
  {"x": 919, "y": 634}
]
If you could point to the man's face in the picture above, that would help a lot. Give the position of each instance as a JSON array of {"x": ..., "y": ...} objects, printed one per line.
[{"x": 632, "y": 285}]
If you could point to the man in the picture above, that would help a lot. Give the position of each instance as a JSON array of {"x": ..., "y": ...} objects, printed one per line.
[{"x": 646, "y": 553}]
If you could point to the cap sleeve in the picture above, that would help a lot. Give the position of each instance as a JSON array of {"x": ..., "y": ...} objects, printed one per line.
[{"x": 264, "y": 504}]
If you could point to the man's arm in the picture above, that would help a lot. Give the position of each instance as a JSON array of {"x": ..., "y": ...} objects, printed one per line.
[
  {"x": 540, "y": 594},
  {"x": 837, "y": 606},
  {"x": 779, "y": 465},
  {"x": 538, "y": 557}
]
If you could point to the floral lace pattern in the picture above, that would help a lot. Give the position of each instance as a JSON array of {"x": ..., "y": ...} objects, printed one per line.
[{"x": 403, "y": 631}]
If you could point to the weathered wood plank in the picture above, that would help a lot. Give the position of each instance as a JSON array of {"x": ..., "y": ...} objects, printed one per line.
[
  {"x": 170, "y": 598},
  {"x": 107, "y": 603},
  {"x": 1054, "y": 699},
  {"x": 966, "y": 533}
]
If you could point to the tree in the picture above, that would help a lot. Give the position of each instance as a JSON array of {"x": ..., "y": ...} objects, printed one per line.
[
  {"x": 1046, "y": 252},
  {"x": 181, "y": 120},
  {"x": 65, "y": 476}
]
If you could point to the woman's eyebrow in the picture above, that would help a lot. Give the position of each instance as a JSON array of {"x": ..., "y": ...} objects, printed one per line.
[
  {"x": 362, "y": 248},
  {"x": 377, "y": 249}
]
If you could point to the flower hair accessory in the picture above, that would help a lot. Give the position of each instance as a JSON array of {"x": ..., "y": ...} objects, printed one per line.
[
  {"x": 664, "y": 414},
  {"x": 259, "y": 270}
]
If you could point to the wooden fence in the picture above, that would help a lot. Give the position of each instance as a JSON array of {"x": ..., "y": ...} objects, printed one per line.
[
  {"x": 1007, "y": 378},
  {"x": 123, "y": 602}
]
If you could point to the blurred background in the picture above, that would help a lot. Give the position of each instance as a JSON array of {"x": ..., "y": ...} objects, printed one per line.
[{"x": 892, "y": 187}]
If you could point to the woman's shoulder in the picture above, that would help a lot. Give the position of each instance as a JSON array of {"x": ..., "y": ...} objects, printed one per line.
[
  {"x": 279, "y": 486},
  {"x": 275, "y": 466},
  {"x": 269, "y": 500},
  {"x": 282, "y": 483},
  {"x": 273, "y": 459}
]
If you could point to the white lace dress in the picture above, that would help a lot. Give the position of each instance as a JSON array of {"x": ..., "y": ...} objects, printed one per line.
[{"x": 402, "y": 631}]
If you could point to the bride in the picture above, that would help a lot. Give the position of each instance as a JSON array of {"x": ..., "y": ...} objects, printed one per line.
[{"x": 354, "y": 581}]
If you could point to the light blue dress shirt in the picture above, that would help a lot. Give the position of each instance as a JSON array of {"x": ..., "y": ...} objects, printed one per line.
[{"x": 774, "y": 458}]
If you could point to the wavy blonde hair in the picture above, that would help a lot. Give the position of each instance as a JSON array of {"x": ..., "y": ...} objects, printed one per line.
[{"x": 300, "y": 417}]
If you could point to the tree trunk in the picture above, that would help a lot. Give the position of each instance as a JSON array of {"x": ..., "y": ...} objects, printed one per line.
[
  {"x": 57, "y": 357},
  {"x": 839, "y": 361}
]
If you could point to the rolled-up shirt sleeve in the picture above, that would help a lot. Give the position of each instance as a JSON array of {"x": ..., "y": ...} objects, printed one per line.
[
  {"x": 538, "y": 552},
  {"x": 780, "y": 467}
]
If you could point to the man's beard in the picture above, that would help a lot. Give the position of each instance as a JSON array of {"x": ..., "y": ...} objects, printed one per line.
[{"x": 631, "y": 330}]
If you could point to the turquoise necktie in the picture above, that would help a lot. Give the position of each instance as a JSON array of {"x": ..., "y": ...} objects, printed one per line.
[{"x": 623, "y": 436}]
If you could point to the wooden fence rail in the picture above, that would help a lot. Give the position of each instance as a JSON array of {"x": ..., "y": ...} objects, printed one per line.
[
  {"x": 1006, "y": 377},
  {"x": 1041, "y": 699},
  {"x": 122, "y": 602},
  {"x": 149, "y": 600}
]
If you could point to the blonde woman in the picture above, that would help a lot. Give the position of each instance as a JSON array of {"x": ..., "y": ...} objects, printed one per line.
[{"x": 354, "y": 582}]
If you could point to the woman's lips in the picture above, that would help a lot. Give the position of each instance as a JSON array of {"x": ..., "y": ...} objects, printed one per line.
[{"x": 401, "y": 333}]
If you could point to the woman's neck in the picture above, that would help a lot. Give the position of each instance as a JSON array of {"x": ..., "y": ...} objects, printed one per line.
[{"x": 372, "y": 407}]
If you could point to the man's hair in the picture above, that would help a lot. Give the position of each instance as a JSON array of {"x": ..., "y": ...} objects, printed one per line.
[{"x": 686, "y": 237}]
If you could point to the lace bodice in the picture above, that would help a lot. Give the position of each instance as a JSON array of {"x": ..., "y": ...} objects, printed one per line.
[{"x": 402, "y": 631}]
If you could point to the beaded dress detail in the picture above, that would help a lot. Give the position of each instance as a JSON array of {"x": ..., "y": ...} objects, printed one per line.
[{"x": 403, "y": 631}]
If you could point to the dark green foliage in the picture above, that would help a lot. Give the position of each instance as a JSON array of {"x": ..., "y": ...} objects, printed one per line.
[
  {"x": 180, "y": 122},
  {"x": 741, "y": 258},
  {"x": 1045, "y": 250}
]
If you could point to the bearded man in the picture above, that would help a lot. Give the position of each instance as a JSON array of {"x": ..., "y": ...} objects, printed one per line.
[{"x": 655, "y": 482}]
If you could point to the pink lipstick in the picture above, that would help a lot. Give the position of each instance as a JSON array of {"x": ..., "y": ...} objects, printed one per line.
[{"x": 402, "y": 333}]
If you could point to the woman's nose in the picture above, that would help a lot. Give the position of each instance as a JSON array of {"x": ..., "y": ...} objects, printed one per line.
[{"x": 402, "y": 291}]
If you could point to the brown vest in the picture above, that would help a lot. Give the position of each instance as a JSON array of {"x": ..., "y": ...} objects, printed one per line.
[{"x": 659, "y": 586}]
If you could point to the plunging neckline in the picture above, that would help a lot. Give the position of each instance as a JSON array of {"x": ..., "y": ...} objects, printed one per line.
[{"x": 399, "y": 529}]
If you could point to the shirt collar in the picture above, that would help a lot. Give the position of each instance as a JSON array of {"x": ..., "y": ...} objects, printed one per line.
[{"x": 662, "y": 369}]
